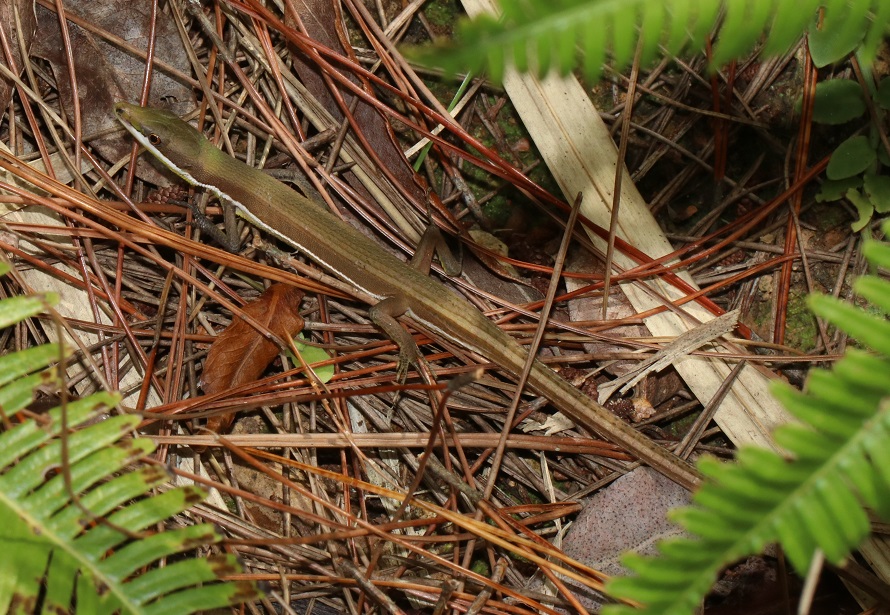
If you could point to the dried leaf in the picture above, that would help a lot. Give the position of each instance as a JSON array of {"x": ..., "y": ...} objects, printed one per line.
[
  {"x": 107, "y": 74},
  {"x": 320, "y": 20},
  {"x": 25, "y": 9},
  {"x": 490, "y": 242},
  {"x": 628, "y": 515},
  {"x": 240, "y": 354},
  {"x": 591, "y": 308}
]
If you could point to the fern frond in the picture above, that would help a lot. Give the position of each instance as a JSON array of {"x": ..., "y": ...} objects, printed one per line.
[
  {"x": 815, "y": 499},
  {"x": 540, "y": 36},
  {"x": 59, "y": 554},
  {"x": 874, "y": 35}
]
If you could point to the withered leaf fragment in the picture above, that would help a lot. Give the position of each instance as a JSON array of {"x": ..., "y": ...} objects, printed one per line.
[{"x": 240, "y": 354}]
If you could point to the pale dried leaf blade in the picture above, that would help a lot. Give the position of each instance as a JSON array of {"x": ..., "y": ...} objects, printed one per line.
[
  {"x": 677, "y": 349},
  {"x": 577, "y": 147},
  {"x": 492, "y": 243}
]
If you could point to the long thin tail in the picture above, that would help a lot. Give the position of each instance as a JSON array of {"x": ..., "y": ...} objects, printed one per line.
[{"x": 588, "y": 413}]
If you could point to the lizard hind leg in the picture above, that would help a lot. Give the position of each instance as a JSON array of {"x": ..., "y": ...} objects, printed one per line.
[
  {"x": 386, "y": 312},
  {"x": 431, "y": 243}
]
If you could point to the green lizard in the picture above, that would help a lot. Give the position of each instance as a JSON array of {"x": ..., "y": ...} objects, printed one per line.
[{"x": 398, "y": 289}]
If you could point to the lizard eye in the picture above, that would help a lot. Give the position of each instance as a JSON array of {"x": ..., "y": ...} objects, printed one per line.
[{"x": 154, "y": 139}]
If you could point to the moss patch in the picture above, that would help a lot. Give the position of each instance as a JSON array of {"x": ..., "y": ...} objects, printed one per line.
[
  {"x": 800, "y": 325},
  {"x": 442, "y": 15}
]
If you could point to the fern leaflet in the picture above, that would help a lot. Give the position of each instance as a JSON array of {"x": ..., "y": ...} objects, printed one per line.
[
  {"x": 59, "y": 558},
  {"x": 540, "y": 36},
  {"x": 839, "y": 464}
]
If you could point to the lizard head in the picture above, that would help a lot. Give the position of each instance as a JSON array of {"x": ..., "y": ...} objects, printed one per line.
[{"x": 174, "y": 142}]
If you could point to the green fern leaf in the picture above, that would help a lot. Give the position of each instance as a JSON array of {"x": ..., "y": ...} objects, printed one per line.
[
  {"x": 815, "y": 499},
  {"x": 873, "y": 289},
  {"x": 165, "y": 581},
  {"x": 679, "y": 18},
  {"x": 17, "y": 309},
  {"x": 59, "y": 553},
  {"x": 594, "y": 52},
  {"x": 877, "y": 253},
  {"x": 874, "y": 36},
  {"x": 18, "y": 364},
  {"x": 654, "y": 15},
  {"x": 537, "y": 35},
  {"x": 703, "y": 21},
  {"x": 872, "y": 331},
  {"x": 624, "y": 36},
  {"x": 43, "y": 530},
  {"x": 564, "y": 52},
  {"x": 740, "y": 31},
  {"x": 790, "y": 20}
]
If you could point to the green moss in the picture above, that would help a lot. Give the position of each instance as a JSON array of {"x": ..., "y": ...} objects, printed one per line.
[
  {"x": 480, "y": 566},
  {"x": 800, "y": 325},
  {"x": 760, "y": 318},
  {"x": 508, "y": 207},
  {"x": 442, "y": 14},
  {"x": 827, "y": 216},
  {"x": 498, "y": 211}
]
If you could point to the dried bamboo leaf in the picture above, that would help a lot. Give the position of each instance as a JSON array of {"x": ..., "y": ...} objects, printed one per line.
[{"x": 577, "y": 147}]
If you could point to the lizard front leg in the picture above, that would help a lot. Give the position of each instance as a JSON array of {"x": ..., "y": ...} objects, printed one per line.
[{"x": 384, "y": 314}]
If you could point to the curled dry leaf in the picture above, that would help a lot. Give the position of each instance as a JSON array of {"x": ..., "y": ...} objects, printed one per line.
[
  {"x": 320, "y": 19},
  {"x": 489, "y": 241},
  {"x": 240, "y": 354},
  {"x": 591, "y": 308},
  {"x": 656, "y": 387}
]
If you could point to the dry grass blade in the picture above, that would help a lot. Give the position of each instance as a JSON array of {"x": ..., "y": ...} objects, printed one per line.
[{"x": 567, "y": 129}]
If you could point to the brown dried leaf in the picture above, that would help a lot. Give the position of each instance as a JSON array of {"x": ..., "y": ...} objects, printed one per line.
[
  {"x": 107, "y": 74},
  {"x": 25, "y": 9},
  {"x": 240, "y": 354},
  {"x": 590, "y": 308},
  {"x": 490, "y": 242},
  {"x": 320, "y": 20}
]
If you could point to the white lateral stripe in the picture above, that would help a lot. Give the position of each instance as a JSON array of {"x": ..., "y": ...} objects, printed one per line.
[{"x": 243, "y": 210}]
